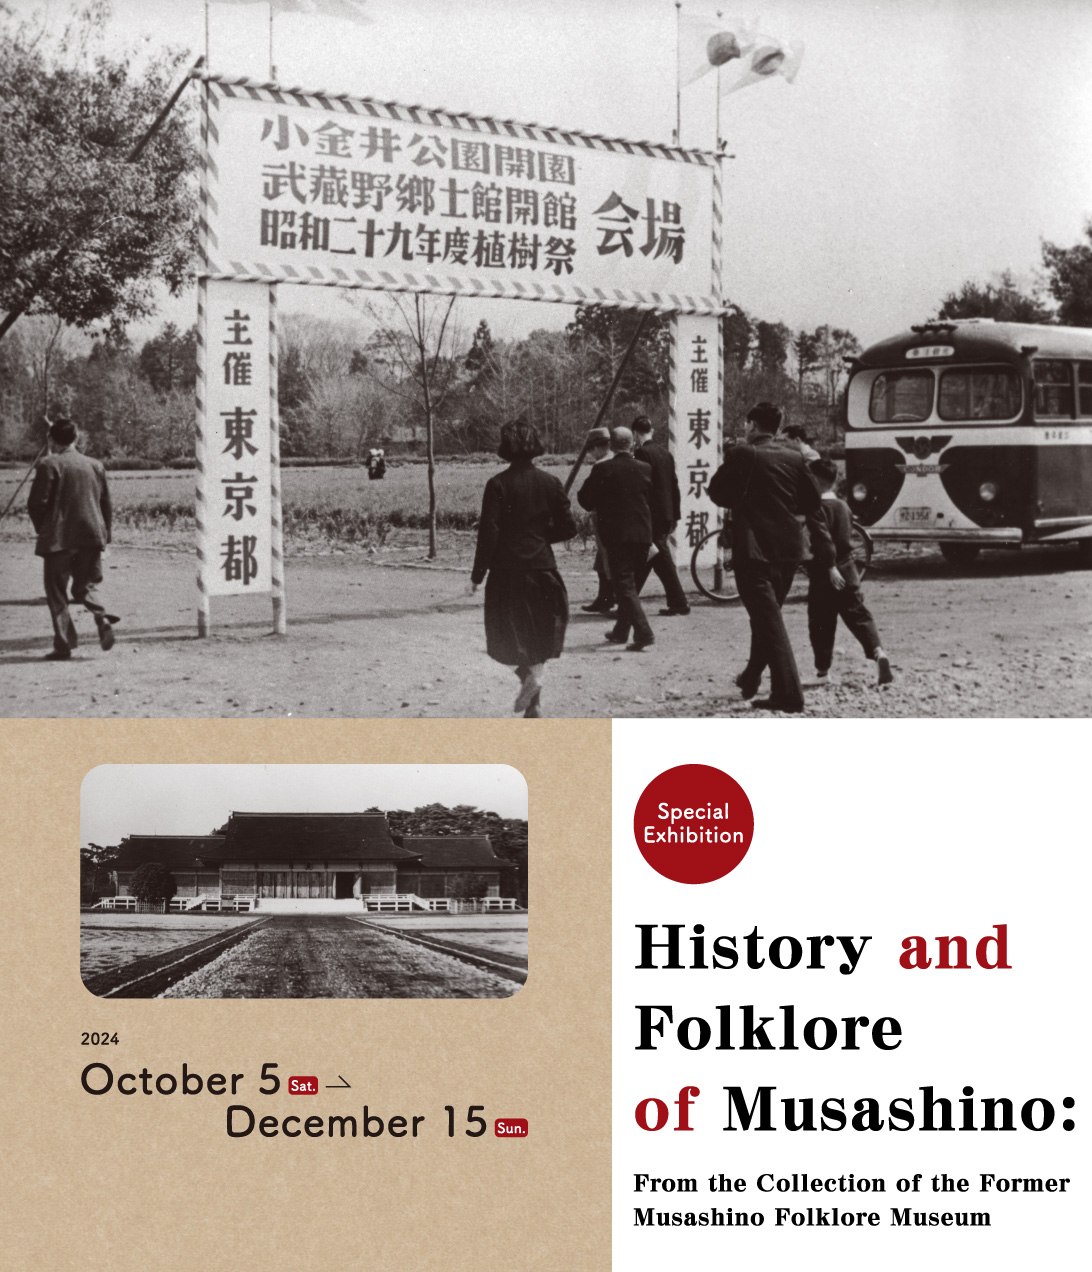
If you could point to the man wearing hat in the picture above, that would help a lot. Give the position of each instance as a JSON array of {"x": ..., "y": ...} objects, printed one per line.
[
  {"x": 69, "y": 506},
  {"x": 598, "y": 449},
  {"x": 617, "y": 491}
]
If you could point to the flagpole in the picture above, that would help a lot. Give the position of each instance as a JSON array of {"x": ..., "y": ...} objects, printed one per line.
[
  {"x": 208, "y": 65},
  {"x": 678, "y": 72},
  {"x": 272, "y": 68}
]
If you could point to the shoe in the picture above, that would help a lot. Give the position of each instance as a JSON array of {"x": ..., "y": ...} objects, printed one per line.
[
  {"x": 596, "y": 607},
  {"x": 528, "y": 693},
  {"x": 768, "y": 704},
  {"x": 533, "y": 712},
  {"x": 673, "y": 613},
  {"x": 883, "y": 667},
  {"x": 748, "y": 685},
  {"x": 57, "y": 655},
  {"x": 639, "y": 647},
  {"x": 615, "y": 640},
  {"x": 822, "y": 677},
  {"x": 106, "y": 635}
]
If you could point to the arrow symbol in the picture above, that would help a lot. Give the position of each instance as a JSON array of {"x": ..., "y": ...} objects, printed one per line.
[{"x": 339, "y": 1085}]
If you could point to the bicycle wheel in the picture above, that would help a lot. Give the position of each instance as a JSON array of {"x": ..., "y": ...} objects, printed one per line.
[
  {"x": 862, "y": 548},
  {"x": 714, "y": 578}
]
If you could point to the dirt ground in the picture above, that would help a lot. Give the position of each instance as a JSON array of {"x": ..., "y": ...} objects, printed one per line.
[
  {"x": 1007, "y": 637},
  {"x": 319, "y": 956}
]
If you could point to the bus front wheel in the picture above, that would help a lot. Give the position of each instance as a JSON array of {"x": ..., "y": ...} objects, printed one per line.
[{"x": 960, "y": 554}]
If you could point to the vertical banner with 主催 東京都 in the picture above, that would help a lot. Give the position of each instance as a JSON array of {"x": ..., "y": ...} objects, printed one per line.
[
  {"x": 695, "y": 427},
  {"x": 234, "y": 511}
]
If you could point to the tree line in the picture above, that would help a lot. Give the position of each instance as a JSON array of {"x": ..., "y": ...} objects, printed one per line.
[
  {"x": 96, "y": 214},
  {"x": 343, "y": 392}
]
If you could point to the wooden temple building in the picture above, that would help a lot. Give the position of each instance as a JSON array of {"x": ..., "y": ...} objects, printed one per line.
[{"x": 305, "y": 861}]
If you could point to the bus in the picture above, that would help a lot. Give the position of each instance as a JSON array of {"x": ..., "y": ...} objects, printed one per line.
[{"x": 972, "y": 434}]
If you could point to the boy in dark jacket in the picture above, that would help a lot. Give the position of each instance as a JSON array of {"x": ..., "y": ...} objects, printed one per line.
[{"x": 827, "y": 598}]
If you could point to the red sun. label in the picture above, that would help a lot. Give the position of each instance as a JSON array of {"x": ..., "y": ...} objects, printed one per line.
[{"x": 693, "y": 823}]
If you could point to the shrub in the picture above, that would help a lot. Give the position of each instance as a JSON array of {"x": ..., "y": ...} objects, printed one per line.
[{"x": 152, "y": 882}]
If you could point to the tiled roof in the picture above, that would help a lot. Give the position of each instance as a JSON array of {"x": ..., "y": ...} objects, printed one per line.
[
  {"x": 454, "y": 852},
  {"x": 179, "y": 852},
  {"x": 322, "y": 836}
]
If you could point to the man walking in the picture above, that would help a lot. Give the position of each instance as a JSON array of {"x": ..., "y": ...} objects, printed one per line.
[
  {"x": 617, "y": 491},
  {"x": 69, "y": 506},
  {"x": 766, "y": 485},
  {"x": 598, "y": 448},
  {"x": 665, "y": 505}
]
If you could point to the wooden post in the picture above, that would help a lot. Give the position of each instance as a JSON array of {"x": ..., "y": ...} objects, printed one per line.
[
  {"x": 280, "y": 616},
  {"x": 204, "y": 608}
]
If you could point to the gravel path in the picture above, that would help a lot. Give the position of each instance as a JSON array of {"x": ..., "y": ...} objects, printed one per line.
[
  {"x": 1007, "y": 637},
  {"x": 297, "y": 956}
]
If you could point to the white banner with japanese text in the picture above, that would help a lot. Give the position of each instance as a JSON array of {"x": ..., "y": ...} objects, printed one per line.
[
  {"x": 234, "y": 503},
  {"x": 695, "y": 429},
  {"x": 337, "y": 191}
]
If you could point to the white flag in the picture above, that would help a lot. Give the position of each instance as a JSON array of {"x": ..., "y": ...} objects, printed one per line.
[
  {"x": 351, "y": 10},
  {"x": 766, "y": 58},
  {"x": 707, "y": 43}
]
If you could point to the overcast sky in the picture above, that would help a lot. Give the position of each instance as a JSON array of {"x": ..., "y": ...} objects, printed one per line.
[
  {"x": 193, "y": 799},
  {"x": 924, "y": 142}
]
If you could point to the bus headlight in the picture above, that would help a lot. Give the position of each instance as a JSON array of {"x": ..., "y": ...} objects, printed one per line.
[
  {"x": 987, "y": 492},
  {"x": 860, "y": 491}
]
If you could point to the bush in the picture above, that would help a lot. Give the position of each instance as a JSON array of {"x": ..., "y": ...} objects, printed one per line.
[{"x": 152, "y": 882}]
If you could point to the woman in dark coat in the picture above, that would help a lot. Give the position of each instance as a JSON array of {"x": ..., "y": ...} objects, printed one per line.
[{"x": 524, "y": 510}]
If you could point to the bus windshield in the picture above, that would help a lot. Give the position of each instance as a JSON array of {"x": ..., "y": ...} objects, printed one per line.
[
  {"x": 992, "y": 394},
  {"x": 901, "y": 397}
]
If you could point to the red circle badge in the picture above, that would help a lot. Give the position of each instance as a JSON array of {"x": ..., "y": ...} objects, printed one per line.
[{"x": 693, "y": 823}]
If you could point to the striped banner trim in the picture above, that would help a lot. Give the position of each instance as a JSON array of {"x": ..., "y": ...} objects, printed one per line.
[
  {"x": 392, "y": 280},
  {"x": 320, "y": 99},
  {"x": 276, "y": 515},
  {"x": 200, "y": 444}
]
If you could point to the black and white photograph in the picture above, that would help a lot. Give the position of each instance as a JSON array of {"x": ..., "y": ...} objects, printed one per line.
[
  {"x": 303, "y": 881},
  {"x": 366, "y": 359}
]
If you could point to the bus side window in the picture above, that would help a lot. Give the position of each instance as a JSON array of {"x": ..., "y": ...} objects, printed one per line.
[
  {"x": 1054, "y": 388},
  {"x": 1084, "y": 388}
]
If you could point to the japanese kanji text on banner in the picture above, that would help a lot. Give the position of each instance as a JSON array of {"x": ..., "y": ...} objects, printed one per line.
[
  {"x": 696, "y": 428},
  {"x": 309, "y": 188},
  {"x": 235, "y": 524}
]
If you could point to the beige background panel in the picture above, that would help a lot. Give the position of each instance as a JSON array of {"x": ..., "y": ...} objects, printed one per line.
[{"x": 114, "y": 1183}]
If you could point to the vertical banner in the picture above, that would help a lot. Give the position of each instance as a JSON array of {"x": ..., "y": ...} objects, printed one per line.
[
  {"x": 694, "y": 427},
  {"x": 235, "y": 529}
]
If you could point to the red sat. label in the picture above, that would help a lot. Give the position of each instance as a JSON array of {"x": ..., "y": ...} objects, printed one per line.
[
  {"x": 303, "y": 1086},
  {"x": 516, "y": 1126}
]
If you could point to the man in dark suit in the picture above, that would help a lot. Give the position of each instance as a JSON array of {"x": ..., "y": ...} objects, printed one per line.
[
  {"x": 617, "y": 491},
  {"x": 665, "y": 505},
  {"x": 69, "y": 506},
  {"x": 767, "y": 486}
]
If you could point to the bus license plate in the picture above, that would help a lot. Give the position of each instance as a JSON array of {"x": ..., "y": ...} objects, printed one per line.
[{"x": 915, "y": 516}]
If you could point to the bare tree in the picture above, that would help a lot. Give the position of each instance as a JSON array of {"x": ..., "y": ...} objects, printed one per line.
[
  {"x": 45, "y": 339},
  {"x": 425, "y": 353}
]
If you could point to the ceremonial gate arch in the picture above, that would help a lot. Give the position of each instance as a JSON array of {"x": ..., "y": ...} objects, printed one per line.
[{"x": 330, "y": 190}]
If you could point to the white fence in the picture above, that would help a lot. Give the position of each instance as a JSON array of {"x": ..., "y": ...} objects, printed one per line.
[
  {"x": 177, "y": 905},
  {"x": 377, "y": 903},
  {"x": 409, "y": 902}
]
